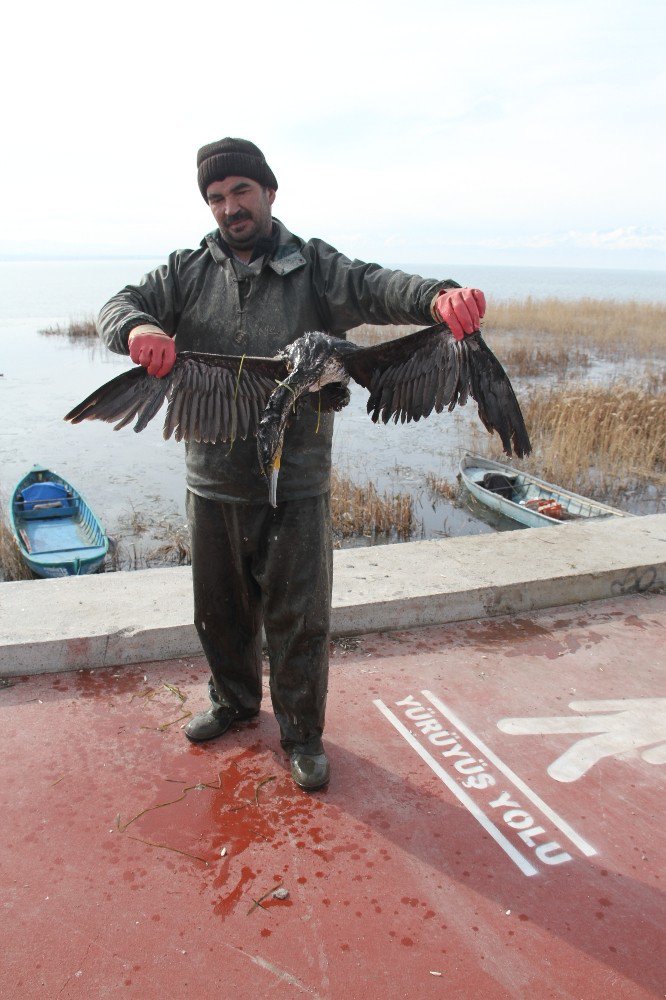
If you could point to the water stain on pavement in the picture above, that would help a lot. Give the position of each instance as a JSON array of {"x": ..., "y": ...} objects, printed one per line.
[{"x": 251, "y": 803}]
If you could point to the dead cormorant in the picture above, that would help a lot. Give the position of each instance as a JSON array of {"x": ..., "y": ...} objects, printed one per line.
[{"x": 215, "y": 398}]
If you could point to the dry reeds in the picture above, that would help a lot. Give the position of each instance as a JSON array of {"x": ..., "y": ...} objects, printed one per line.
[
  {"x": 441, "y": 488},
  {"x": 83, "y": 329},
  {"x": 175, "y": 547},
  {"x": 609, "y": 326},
  {"x": 360, "y": 511},
  {"x": 368, "y": 335},
  {"x": 612, "y": 327},
  {"x": 12, "y": 566},
  {"x": 654, "y": 380},
  {"x": 602, "y": 440},
  {"x": 164, "y": 542},
  {"x": 135, "y": 523},
  {"x": 529, "y": 359}
]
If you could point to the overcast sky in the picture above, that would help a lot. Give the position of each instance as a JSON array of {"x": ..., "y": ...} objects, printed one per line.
[{"x": 476, "y": 132}]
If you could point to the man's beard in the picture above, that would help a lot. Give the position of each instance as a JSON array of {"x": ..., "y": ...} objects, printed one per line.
[{"x": 249, "y": 236}]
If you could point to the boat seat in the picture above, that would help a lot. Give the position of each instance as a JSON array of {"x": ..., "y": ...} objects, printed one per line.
[{"x": 45, "y": 496}]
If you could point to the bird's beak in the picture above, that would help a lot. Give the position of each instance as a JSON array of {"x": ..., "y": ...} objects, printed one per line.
[{"x": 272, "y": 483}]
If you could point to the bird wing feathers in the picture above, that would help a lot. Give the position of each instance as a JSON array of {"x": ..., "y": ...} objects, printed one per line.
[
  {"x": 409, "y": 377},
  {"x": 211, "y": 397},
  {"x": 215, "y": 397},
  {"x": 496, "y": 402}
]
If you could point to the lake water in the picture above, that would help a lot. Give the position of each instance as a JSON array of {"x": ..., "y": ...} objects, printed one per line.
[
  {"x": 42, "y": 377},
  {"x": 60, "y": 290}
]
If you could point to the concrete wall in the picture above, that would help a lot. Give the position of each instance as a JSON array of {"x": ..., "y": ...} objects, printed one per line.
[{"x": 117, "y": 618}]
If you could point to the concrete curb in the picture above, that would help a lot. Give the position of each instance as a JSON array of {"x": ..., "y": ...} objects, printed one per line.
[{"x": 119, "y": 618}]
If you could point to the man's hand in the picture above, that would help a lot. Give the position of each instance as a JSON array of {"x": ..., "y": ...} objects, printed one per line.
[
  {"x": 151, "y": 347},
  {"x": 462, "y": 309}
]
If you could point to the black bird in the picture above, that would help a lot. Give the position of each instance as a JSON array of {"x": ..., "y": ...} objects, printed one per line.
[{"x": 215, "y": 398}]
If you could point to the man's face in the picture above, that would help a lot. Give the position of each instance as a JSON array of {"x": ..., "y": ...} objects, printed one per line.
[{"x": 242, "y": 210}]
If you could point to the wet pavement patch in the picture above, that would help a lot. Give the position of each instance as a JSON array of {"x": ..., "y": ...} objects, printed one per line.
[{"x": 492, "y": 827}]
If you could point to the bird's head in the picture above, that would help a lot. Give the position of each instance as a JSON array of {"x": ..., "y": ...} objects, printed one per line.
[{"x": 312, "y": 363}]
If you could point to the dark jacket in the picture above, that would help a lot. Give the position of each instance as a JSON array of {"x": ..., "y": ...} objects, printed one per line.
[{"x": 211, "y": 302}]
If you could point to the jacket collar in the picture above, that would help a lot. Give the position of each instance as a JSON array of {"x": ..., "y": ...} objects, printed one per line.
[{"x": 287, "y": 256}]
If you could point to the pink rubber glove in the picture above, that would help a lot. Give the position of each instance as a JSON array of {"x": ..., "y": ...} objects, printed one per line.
[
  {"x": 462, "y": 309},
  {"x": 155, "y": 350}
]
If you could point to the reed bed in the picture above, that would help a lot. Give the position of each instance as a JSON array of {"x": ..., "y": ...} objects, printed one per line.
[
  {"x": 520, "y": 356},
  {"x": 357, "y": 511},
  {"x": 368, "y": 335},
  {"x": 605, "y": 441},
  {"x": 167, "y": 543},
  {"x": 528, "y": 359},
  {"x": 12, "y": 566},
  {"x": 612, "y": 328},
  {"x": 361, "y": 511},
  {"x": 77, "y": 330},
  {"x": 442, "y": 489},
  {"x": 654, "y": 380},
  {"x": 174, "y": 548},
  {"x": 608, "y": 327}
]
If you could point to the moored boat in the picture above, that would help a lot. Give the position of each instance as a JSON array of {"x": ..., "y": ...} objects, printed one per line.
[
  {"x": 525, "y": 498},
  {"x": 55, "y": 529}
]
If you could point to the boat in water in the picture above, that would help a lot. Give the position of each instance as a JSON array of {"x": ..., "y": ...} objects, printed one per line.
[
  {"x": 55, "y": 529},
  {"x": 525, "y": 498}
]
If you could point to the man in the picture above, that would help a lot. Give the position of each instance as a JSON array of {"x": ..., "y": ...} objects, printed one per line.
[{"x": 252, "y": 287}]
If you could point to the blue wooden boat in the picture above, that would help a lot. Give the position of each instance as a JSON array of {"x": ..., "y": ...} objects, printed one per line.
[
  {"x": 55, "y": 529},
  {"x": 525, "y": 498}
]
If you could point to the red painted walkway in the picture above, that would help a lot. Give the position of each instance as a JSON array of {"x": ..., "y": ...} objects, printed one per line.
[{"x": 494, "y": 825}]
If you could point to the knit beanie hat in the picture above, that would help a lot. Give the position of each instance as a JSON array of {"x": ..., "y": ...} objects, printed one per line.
[{"x": 232, "y": 158}]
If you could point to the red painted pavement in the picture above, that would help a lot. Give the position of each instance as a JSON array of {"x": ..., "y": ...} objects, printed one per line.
[{"x": 131, "y": 859}]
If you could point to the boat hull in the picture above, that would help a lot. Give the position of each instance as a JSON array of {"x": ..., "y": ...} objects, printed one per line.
[
  {"x": 530, "y": 489},
  {"x": 55, "y": 529}
]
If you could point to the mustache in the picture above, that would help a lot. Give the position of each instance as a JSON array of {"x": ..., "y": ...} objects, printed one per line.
[{"x": 239, "y": 216}]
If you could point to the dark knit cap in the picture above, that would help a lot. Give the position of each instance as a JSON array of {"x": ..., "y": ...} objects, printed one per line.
[{"x": 232, "y": 158}]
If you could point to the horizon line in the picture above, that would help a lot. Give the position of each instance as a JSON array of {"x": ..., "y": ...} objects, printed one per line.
[{"x": 70, "y": 258}]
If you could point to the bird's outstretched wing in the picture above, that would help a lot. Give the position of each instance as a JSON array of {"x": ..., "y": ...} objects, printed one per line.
[
  {"x": 409, "y": 377},
  {"x": 211, "y": 397},
  {"x": 496, "y": 401}
]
